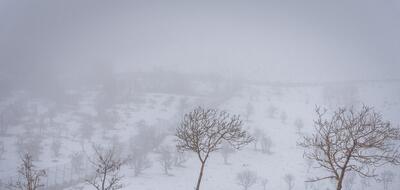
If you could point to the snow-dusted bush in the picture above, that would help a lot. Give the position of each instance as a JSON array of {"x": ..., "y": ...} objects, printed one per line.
[
  {"x": 266, "y": 144},
  {"x": 166, "y": 159},
  {"x": 180, "y": 158},
  {"x": 246, "y": 179},
  {"x": 139, "y": 160},
  {"x": 264, "y": 183},
  {"x": 226, "y": 150},
  {"x": 298, "y": 123},
  {"x": 289, "y": 180}
]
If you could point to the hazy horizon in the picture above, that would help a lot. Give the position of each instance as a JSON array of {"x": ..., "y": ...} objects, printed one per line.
[{"x": 310, "y": 41}]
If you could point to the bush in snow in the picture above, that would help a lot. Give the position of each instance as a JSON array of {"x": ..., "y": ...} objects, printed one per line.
[
  {"x": 246, "y": 179},
  {"x": 299, "y": 125},
  {"x": 264, "y": 183},
  {"x": 266, "y": 144},
  {"x": 179, "y": 158},
  {"x": 226, "y": 150},
  {"x": 138, "y": 160},
  {"x": 289, "y": 180},
  {"x": 166, "y": 159}
]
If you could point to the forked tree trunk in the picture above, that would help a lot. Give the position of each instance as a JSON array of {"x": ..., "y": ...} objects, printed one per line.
[{"x": 200, "y": 175}]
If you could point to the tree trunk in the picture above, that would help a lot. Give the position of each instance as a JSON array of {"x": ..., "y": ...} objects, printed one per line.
[
  {"x": 200, "y": 176},
  {"x": 339, "y": 184}
]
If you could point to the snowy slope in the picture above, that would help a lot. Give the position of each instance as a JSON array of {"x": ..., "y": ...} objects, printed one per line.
[{"x": 162, "y": 111}]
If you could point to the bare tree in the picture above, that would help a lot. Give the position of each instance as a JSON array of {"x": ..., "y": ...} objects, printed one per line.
[
  {"x": 139, "y": 160},
  {"x": 139, "y": 148},
  {"x": 246, "y": 179},
  {"x": 266, "y": 144},
  {"x": 203, "y": 130},
  {"x": 264, "y": 183},
  {"x": 387, "y": 178},
  {"x": 107, "y": 167},
  {"x": 226, "y": 151},
  {"x": 29, "y": 176},
  {"x": 351, "y": 141},
  {"x": 289, "y": 179},
  {"x": 180, "y": 158},
  {"x": 299, "y": 125},
  {"x": 166, "y": 159}
]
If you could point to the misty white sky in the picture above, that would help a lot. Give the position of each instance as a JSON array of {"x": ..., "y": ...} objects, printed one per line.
[{"x": 270, "y": 40}]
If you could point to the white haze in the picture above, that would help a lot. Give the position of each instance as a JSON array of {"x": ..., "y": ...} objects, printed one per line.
[
  {"x": 123, "y": 73},
  {"x": 307, "y": 41}
]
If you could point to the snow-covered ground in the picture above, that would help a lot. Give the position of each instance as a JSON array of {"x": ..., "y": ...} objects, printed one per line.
[{"x": 163, "y": 111}]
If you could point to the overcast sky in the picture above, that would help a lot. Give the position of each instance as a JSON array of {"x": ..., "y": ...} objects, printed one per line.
[{"x": 270, "y": 40}]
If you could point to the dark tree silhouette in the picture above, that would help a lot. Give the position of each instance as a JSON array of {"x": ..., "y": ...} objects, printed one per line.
[
  {"x": 29, "y": 176},
  {"x": 246, "y": 179},
  {"x": 203, "y": 130},
  {"x": 107, "y": 165},
  {"x": 351, "y": 141}
]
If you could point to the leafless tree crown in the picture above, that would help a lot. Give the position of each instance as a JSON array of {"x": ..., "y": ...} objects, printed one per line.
[
  {"x": 246, "y": 179},
  {"x": 351, "y": 141},
  {"x": 30, "y": 176},
  {"x": 107, "y": 166},
  {"x": 203, "y": 130}
]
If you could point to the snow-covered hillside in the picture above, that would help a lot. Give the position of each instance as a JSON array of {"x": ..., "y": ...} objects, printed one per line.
[{"x": 269, "y": 112}]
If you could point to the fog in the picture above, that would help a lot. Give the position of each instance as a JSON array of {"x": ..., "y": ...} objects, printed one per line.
[
  {"x": 126, "y": 80},
  {"x": 266, "y": 41}
]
